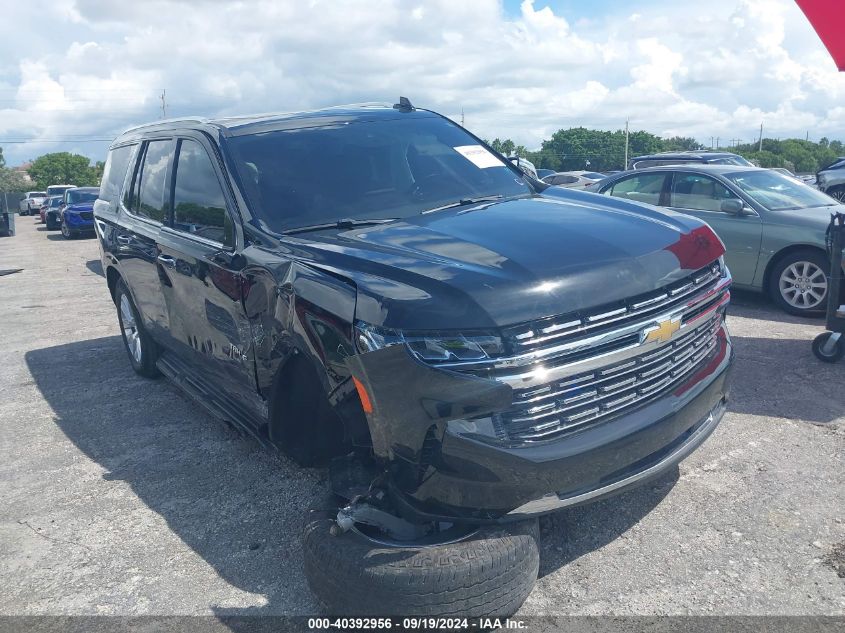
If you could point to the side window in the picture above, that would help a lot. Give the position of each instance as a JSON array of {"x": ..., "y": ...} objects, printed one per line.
[
  {"x": 641, "y": 188},
  {"x": 564, "y": 180},
  {"x": 694, "y": 191},
  {"x": 199, "y": 206},
  {"x": 114, "y": 171},
  {"x": 149, "y": 196}
]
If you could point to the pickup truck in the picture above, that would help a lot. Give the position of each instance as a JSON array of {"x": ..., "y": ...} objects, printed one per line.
[{"x": 31, "y": 203}]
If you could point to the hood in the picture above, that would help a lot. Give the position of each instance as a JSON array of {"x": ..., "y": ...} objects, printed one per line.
[
  {"x": 814, "y": 217},
  {"x": 500, "y": 264},
  {"x": 79, "y": 207}
]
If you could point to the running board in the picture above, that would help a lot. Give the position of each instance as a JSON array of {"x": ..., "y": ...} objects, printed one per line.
[{"x": 180, "y": 375}]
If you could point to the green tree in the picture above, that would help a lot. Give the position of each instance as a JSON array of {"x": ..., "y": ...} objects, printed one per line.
[
  {"x": 63, "y": 168},
  {"x": 681, "y": 144}
]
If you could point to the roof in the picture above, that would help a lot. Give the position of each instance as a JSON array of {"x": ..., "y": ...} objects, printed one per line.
[
  {"x": 704, "y": 154},
  {"x": 251, "y": 123},
  {"x": 87, "y": 188},
  {"x": 703, "y": 168}
]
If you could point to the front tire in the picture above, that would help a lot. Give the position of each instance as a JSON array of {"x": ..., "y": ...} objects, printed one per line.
[
  {"x": 141, "y": 349},
  {"x": 66, "y": 232},
  {"x": 837, "y": 193},
  {"x": 798, "y": 283},
  {"x": 489, "y": 573}
]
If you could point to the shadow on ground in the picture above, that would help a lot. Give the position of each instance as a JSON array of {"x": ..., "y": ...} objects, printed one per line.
[
  {"x": 235, "y": 504},
  {"x": 781, "y": 378},
  {"x": 95, "y": 266}
]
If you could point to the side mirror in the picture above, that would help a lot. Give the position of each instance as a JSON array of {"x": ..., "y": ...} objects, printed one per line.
[{"x": 733, "y": 206}]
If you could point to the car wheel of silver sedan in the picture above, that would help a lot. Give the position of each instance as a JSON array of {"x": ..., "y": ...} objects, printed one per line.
[{"x": 799, "y": 282}]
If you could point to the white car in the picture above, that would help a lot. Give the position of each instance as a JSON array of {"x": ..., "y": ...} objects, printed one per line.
[
  {"x": 31, "y": 204},
  {"x": 574, "y": 179}
]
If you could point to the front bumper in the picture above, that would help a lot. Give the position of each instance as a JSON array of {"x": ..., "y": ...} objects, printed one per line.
[
  {"x": 77, "y": 223},
  {"x": 436, "y": 473}
]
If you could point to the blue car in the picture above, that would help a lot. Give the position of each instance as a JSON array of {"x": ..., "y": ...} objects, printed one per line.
[{"x": 77, "y": 216}]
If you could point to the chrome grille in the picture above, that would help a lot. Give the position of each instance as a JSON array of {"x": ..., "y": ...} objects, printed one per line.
[
  {"x": 555, "y": 408},
  {"x": 545, "y": 333}
]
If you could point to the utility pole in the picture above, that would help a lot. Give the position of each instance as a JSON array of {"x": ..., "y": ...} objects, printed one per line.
[
  {"x": 711, "y": 141},
  {"x": 163, "y": 105},
  {"x": 717, "y": 142},
  {"x": 760, "y": 148},
  {"x": 807, "y": 138},
  {"x": 462, "y": 117},
  {"x": 625, "y": 166}
]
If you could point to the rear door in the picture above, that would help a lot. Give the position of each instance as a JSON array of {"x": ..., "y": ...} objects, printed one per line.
[
  {"x": 702, "y": 196},
  {"x": 199, "y": 251},
  {"x": 144, "y": 209}
]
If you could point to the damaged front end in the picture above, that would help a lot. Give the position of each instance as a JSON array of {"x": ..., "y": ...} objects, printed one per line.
[{"x": 497, "y": 426}]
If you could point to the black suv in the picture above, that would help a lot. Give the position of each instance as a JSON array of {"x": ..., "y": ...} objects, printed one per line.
[
  {"x": 469, "y": 348},
  {"x": 831, "y": 179},
  {"x": 702, "y": 157}
]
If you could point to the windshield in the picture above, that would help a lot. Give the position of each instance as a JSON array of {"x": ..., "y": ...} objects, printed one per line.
[
  {"x": 365, "y": 170},
  {"x": 731, "y": 160},
  {"x": 37, "y": 194},
  {"x": 55, "y": 201},
  {"x": 777, "y": 192},
  {"x": 75, "y": 197}
]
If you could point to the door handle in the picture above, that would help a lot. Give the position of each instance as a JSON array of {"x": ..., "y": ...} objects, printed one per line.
[
  {"x": 123, "y": 239},
  {"x": 167, "y": 261}
]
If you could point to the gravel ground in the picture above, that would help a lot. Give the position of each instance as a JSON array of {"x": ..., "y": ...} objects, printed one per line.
[{"x": 119, "y": 496}]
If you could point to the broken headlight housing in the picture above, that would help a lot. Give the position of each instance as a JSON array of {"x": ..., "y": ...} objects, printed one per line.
[{"x": 432, "y": 347}]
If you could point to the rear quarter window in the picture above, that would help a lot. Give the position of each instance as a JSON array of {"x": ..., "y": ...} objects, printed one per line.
[{"x": 114, "y": 172}]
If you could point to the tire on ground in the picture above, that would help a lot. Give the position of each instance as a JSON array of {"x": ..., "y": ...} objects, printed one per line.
[
  {"x": 489, "y": 574},
  {"x": 149, "y": 350},
  {"x": 812, "y": 255}
]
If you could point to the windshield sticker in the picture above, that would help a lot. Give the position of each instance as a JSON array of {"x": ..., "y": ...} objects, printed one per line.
[{"x": 478, "y": 156}]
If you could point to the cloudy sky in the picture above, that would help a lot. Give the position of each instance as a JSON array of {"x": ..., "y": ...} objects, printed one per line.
[{"x": 76, "y": 70}]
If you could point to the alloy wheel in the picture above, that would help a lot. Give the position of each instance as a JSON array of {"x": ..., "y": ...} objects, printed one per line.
[
  {"x": 130, "y": 329},
  {"x": 803, "y": 285},
  {"x": 838, "y": 194}
]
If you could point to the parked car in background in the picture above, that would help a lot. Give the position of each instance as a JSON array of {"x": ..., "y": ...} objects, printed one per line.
[
  {"x": 773, "y": 226},
  {"x": 574, "y": 179},
  {"x": 525, "y": 166},
  {"x": 77, "y": 211},
  {"x": 50, "y": 212},
  {"x": 58, "y": 190},
  {"x": 31, "y": 203},
  {"x": 542, "y": 173},
  {"x": 473, "y": 347},
  {"x": 785, "y": 172},
  {"x": 703, "y": 157},
  {"x": 831, "y": 179}
]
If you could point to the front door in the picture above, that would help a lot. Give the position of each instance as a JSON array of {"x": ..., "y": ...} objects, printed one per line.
[
  {"x": 702, "y": 196},
  {"x": 197, "y": 249}
]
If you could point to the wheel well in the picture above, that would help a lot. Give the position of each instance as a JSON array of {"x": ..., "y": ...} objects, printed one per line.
[
  {"x": 112, "y": 276},
  {"x": 777, "y": 257},
  {"x": 303, "y": 423}
]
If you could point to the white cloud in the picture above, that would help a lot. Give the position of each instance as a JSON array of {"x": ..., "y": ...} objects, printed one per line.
[{"x": 673, "y": 68}]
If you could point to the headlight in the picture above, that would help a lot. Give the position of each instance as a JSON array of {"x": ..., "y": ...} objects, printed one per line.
[{"x": 432, "y": 347}]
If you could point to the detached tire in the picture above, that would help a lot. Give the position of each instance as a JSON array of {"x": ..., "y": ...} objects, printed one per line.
[{"x": 490, "y": 573}]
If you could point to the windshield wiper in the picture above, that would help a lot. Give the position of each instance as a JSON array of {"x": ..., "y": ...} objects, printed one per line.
[
  {"x": 463, "y": 202},
  {"x": 343, "y": 223}
]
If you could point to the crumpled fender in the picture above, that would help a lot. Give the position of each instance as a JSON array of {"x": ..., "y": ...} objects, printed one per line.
[{"x": 408, "y": 396}]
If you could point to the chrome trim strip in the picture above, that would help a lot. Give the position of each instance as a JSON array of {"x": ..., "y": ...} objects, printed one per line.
[{"x": 596, "y": 340}]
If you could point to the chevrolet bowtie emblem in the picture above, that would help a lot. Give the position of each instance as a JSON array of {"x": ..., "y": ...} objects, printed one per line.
[{"x": 663, "y": 331}]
